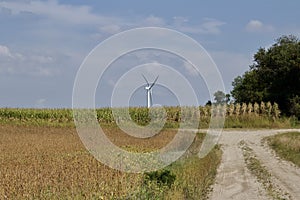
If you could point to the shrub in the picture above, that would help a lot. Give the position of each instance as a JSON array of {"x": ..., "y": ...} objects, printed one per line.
[
  {"x": 162, "y": 178},
  {"x": 295, "y": 106}
]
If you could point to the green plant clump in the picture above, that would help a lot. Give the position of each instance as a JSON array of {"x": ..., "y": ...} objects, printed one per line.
[{"x": 162, "y": 178}]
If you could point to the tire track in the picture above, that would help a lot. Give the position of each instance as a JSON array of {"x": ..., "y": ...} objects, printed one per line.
[
  {"x": 286, "y": 174},
  {"x": 268, "y": 182},
  {"x": 234, "y": 180}
]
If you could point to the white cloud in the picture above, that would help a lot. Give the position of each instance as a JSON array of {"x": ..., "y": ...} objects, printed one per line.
[
  {"x": 212, "y": 26},
  {"x": 208, "y": 26},
  {"x": 41, "y": 59},
  {"x": 154, "y": 21},
  {"x": 40, "y": 103},
  {"x": 41, "y": 71},
  {"x": 53, "y": 28},
  {"x": 4, "y": 51},
  {"x": 190, "y": 69},
  {"x": 53, "y": 10},
  {"x": 68, "y": 14},
  {"x": 57, "y": 14},
  {"x": 110, "y": 29},
  {"x": 258, "y": 26},
  {"x": 29, "y": 64},
  {"x": 179, "y": 20},
  {"x": 254, "y": 25},
  {"x": 153, "y": 65}
]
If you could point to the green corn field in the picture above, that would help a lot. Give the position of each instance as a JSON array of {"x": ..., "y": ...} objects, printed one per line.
[{"x": 237, "y": 115}]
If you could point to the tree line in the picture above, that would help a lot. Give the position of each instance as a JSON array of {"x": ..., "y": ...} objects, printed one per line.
[{"x": 273, "y": 77}]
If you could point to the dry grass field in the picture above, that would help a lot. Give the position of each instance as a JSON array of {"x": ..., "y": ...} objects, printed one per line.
[{"x": 51, "y": 163}]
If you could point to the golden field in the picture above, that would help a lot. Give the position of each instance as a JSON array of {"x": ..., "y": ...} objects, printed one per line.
[{"x": 46, "y": 162}]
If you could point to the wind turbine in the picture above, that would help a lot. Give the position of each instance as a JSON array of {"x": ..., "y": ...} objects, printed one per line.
[{"x": 149, "y": 91}]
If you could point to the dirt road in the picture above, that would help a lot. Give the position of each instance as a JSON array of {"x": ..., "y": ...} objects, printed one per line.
[{"x": 235, "y": 181}]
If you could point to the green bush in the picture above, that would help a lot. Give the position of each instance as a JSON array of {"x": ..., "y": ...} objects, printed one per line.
[
  {"x": 162, "y": 178},
  {"x": 295, "y": 106}
]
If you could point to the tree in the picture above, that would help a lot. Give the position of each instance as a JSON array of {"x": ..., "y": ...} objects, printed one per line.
[
  {"x": 247, "y": 88},
  {"x": 295, "y": 106},
  {"x": 208, "y": 103},
  {"x": 227, "y": 98},
  {"x": 221, "y": 98},
  {"x": 274, "y": 76}
]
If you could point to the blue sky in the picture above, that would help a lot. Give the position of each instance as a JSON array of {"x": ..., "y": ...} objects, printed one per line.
[{"x": 43, "y": 43}]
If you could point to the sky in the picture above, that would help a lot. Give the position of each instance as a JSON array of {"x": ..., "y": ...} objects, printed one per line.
[{"x": 44, "y": 43}]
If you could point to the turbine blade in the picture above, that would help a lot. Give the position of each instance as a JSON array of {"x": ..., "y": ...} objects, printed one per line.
[
  {"x": 153, "y": 83},
  {"x": 146, "y": 80}
]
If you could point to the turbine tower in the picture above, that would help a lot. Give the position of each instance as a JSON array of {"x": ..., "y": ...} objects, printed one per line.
[{"x": 149, "y": 91}]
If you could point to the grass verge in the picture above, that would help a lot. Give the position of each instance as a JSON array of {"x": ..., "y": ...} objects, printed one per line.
[
  {"x": 253, "y": 121},
  {"x": 286, "y": 146},
  {"x": 193, "y": 177}
]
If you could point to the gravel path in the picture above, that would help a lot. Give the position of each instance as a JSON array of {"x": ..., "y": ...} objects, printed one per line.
[{"x": 235, "y": 181}]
